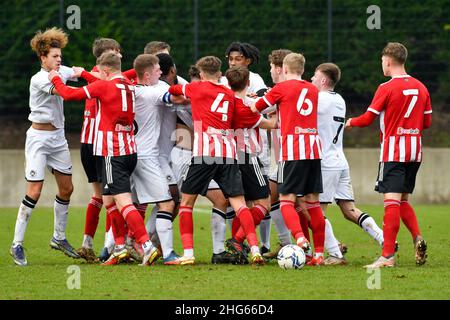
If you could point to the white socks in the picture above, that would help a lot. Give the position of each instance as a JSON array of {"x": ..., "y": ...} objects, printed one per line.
[
  {"x": 331, "y": 243},
  {"x": 109, "y": 240},
  {"x": 218, "y": 230},
  {"x": 61, "y": 210},
  {"x": 23, "y": 216},
  {"x": 230, "y": 214},
  {"x": 151, "y": 227},
  {"x": 164, "y": 228},
  {"x": 264, "y": 231},
  {"x": 88, "y": 242},
  {"x": 369, "y": 225},
  {"x": 284, "y": 235}
]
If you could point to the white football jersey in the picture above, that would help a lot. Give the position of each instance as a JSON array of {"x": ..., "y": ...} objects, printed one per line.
[
  {"x": 330, "y": 122},
  {"x": 256, "y": 82},
  {"x": 150, "y": 110},
  {"x": 46, "y": 107},
  {"x": 169, "y": 124}
]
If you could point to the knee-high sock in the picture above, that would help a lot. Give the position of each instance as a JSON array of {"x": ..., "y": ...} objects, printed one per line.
[
  {"x": 61, "y": 210},
  {"x": 117, "y": 224},
  {"x": 246, "y": 220},
  {"x": 186, "y": 229},
  {"x": 264, "y": 230},
  {"x": 218, "y": 230},
  {"x": 151, "y": 227},
  {"x": 369, "y": 225},
  {"x": 409, "y": 218},
  {"x": 23, "y": 217},
  {"x": 230, "y": 216},
  {"x": 331, "y": 243},
  {"x": 317, "y": 225},
  {"x": 258, "y": 213},
  {"x": 291, "y": 218},
  {"x": 303, "y": 222},
  {"x": 92, "y": 216},
  {"x": 135, "y": 223},
  {"x": 391, "y": 225},
  {"x": 164, "y": 227},
  {"x": 284, "y": 234}
]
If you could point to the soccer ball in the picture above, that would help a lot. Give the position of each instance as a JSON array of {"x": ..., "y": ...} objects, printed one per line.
[{"x": 291, "y": 257}]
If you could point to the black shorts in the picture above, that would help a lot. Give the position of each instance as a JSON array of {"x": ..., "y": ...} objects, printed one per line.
[
  {"x": 202, "y": 170},
  {"x": 300, "y": 177},
  {"x": 116, "y": 172},
  {"x": 397, "y": 177},
  {"x": 255, "y": 183},
  {"x": 92, "y": 164}
]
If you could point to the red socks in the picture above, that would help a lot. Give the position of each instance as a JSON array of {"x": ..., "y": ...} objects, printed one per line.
[
  {"x": 135, "y": 223},
  {"x": 409, "y": 218},
  {"x": 317, "y": 225},
  {"x": 303, "y": 222},
  {"x": 258, "y": 213},
  {"x": 291, "y": 218},
  {"x": 117, "y": 223},
  {"x": 248, "y": 225},
  {"x": 92, "y": 216},
  {"x": 186, "y": 227},
  {"x": 391, "y": 224}
]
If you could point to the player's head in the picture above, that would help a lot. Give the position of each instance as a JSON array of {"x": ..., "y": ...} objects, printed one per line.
[
  {"x": 241, "y": 54},
  {"x": 194, "y": 73},
  {"x": 109, "y": 63},
  {"x": 326, "y": 76},
  {"x": 238, "y": 78},
  {"x": 155, "y": 47},
  {"x": 209, "y": 67},
  {"x": 47, "y": 45},
  {"x": 393, "y": 56},
  {"x": 169, "y": 71},
  {"x": 147, "y": 69},
  {"x": 294, "y": 64},
  {"x": 102, "y": 45},
  {"x": 276, "y": 64}
]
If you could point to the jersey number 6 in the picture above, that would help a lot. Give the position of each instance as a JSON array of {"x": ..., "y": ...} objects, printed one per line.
[{"x": 301, "y": 101}]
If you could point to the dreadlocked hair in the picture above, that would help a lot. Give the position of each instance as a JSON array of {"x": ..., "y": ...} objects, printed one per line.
[
  {"x": 248, "y": 50},
  {"x": 42, "y": 42}
]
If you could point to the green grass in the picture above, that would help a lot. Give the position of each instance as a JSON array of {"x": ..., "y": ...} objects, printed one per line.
[{"x": 46, "y": 275}]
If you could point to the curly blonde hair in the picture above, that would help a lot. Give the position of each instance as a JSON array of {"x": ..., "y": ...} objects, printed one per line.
[{"x": 42, "y": 42}]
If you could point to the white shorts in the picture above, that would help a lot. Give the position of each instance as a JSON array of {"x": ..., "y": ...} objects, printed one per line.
[
  {"x": 148, "y": 183},
  {"x": 167, "y": 170},
  {"x": 337, "y": 186},
  {"x": 273, "y": 174},
  {"x": 264, "y": 155},
  {"x": 180, "y": 161},
  {"x": 46, "y": 149}
]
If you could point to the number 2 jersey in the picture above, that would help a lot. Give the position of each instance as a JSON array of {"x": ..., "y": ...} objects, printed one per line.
[
  {"x": 402, "y": 104},
  {"x": 297, "y": 115},
  {"x": 212, "y": 112}
]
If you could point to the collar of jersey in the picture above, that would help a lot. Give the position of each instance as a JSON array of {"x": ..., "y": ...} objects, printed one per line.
[
  {"x": 403, "y": 76},
  {"x": 117, "y": 77}
]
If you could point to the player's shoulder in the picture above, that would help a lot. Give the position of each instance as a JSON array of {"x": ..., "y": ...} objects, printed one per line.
[{"x": 40, "y": 77}]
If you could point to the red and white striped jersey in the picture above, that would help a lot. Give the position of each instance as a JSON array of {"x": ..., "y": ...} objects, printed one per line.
[
  {"x": 401, "y": 104},
  {"x": 90, "y": 112},
  {"x": 297, "y": 113},
  {"x": 212, "y": 112},
  {"x": 245, "y": 123},
  {"x": 114, "y": 134}
]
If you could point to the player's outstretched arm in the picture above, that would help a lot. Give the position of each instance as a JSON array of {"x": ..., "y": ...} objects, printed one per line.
[
  {"x": 270, "y": 123},
  {"x": 64, "y": 91},
  {"x": 363, "y": 120}
]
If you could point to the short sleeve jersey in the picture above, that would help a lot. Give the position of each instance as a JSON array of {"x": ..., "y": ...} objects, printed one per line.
[
  {"x": 46, "y": 107},
  {"x": 297, "y": 115},
  {"x": 401, "y": 104}
]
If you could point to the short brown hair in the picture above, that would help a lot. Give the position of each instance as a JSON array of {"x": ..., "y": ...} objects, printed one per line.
[
  {"x": 276, "y": 56},
  {"x": 155, "y": 47},
  {"x": 295, "y": 62},
  {"x": 237, "y": 78},
  {"x": 396, "y": 51},
  {"x": 101, "y": 45},
  {"x": 42, "y": 42},
  {"x": 143, "y": 62},
  {"x": 111, "y": 60},
  {"x": 331, "y": 71},
  {"x": 194, "y": 72},
  {"x": 209, "y": 65}
]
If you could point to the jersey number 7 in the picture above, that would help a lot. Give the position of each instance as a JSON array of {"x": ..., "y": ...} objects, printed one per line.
[{"x": 415, "y": 94}]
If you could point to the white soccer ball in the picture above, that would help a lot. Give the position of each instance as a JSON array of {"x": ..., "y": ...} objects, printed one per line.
[{"x": 291, "y": 257}]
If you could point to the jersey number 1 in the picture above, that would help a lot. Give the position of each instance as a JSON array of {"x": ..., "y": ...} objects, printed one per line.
[
  {"x": 223, "y": 109},
  {"x": 415, "y": 94},
  {"x": 124, "y": 96}
]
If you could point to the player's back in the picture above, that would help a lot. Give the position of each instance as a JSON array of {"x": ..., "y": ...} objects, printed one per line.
[
  {"x": 330, "y": 122},
  {"x": 406, "y": 101},
  {"x": 245, "y": 123}
]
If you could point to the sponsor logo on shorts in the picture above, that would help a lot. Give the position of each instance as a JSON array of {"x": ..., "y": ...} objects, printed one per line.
[
  {"x": 32, "y": 173},
  {"x": 169, "y": 178}
]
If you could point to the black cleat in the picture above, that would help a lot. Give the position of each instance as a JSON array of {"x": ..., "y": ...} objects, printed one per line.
[
  {"x": 237, "y": 249},
  {"x": 224, "y": 258}
]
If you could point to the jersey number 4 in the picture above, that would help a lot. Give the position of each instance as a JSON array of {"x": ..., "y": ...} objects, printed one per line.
[
  {"x": 301, "y": 101},
  {"x": 220, "y": 109},
  {"x": 415, "y": 94}
]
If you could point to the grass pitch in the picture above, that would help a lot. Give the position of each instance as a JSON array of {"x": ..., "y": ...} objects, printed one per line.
[{"x": 48, "y": 272}]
